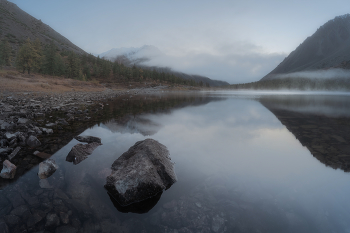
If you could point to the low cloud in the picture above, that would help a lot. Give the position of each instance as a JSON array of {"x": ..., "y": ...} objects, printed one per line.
[
  {"x": 235, "y": 63},
  {"x": 317, "y": 74}
]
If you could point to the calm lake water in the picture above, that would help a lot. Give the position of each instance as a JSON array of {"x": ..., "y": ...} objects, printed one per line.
[{"x": 239, "y": 168}]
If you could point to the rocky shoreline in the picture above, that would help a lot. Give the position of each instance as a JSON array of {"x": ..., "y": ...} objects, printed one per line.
[{"x": 30, "y": 123}]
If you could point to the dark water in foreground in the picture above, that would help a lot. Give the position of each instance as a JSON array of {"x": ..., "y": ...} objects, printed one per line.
[{"x": 239, "y": 168}]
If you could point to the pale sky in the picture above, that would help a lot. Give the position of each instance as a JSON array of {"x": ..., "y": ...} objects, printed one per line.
[{"x": 235, "y": 41}]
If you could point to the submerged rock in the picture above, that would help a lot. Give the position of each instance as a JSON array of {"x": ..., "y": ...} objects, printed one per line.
[
  {"x": 80, "y": 152},
  {"x": 88, "y": 139},
  {"x": 8, "y": 171},
  {"x": 42, "y": 155},
  {"x": 141, "y": 173},
  {"x": 33, "y": 142},
  {"x": 47, "y": 168}
]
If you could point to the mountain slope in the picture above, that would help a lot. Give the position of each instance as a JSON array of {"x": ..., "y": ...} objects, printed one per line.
[
  {"x": 16, "y": 26},
  {"x": 328, "y": 47}
]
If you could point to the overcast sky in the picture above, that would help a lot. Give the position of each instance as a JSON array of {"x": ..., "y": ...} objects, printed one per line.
[{"x": 235, "y": 41}]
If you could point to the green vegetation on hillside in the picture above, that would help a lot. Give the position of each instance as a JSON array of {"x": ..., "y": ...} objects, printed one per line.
[
  {"x": 5, "y": 53},
  {"x": 33, "y": 56}
]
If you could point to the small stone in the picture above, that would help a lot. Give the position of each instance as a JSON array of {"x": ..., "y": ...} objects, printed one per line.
[
  {"x": 8, "y": 171},
  {"x": 47, "y": 168},
  {"x": 12, "y": 219},
  {"x": 44, "y": 183},
  {"x": 64, "y": 217},
  {"x": 14, "y": 153},
  {"x": 50, "y": 124},
  {"x": 33, "y": 142},
  {"x": 33, "y": 219},
  {"x": 4, "y": 143},
  {"x": 3, "y": 227},
  {"x": 23, "y": 121},
  {"x": 43, "y": 155},
  {"x": 20, "y": 210},
  {"x": 5, "y": 126},
  {"x": 66, "y": 229},
  {"x": 52, "y": 220},
  {"x": 10, "y": 136},
  {"x": 5, "y": 151},
  {"x": 47, "y": 131},
  {"x": 62, "y": 122}
]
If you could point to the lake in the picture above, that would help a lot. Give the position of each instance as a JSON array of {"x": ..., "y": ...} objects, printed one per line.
[{"x": 245, "y": 162}]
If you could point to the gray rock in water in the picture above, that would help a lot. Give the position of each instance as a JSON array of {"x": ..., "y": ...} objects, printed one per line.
[
  {"x": 47, "y": 168},
  {"x": 88, "y": 139},
  {"x": 33, "y": 142},
  {"x": 141, "y": 172},
  {"x": 80, "y": 152},
  {"x": 8, "y": 171}
]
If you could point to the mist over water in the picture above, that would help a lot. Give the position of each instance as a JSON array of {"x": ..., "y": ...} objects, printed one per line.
[{"x": 317, "y": 74}]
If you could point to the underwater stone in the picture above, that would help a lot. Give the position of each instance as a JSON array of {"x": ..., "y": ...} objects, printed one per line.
[{"x": 47, "y": 168}]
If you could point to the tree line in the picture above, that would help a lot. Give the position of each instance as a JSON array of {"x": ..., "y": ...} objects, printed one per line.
[{"x": 33, "y": 56}]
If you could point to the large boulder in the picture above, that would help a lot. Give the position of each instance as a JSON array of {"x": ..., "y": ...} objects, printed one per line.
[
  {"x": 141, "y": 173},
  {"x": 80, "y": 152}
]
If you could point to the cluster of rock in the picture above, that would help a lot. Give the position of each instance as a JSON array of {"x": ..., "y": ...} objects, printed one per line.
[{"x": 22, "y": 120}]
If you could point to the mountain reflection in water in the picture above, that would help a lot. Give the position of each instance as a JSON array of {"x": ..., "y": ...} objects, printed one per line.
[{"x": 239, "y": 168}]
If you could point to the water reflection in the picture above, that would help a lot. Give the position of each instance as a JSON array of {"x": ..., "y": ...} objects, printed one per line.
[
  {"x": 239, "y": 170},
  {"x": 138, "y": 207},
  {"x": 320, "y": 123}
]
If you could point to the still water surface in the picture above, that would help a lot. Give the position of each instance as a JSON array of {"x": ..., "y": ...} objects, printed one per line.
[{"x": 239, "y": 169}]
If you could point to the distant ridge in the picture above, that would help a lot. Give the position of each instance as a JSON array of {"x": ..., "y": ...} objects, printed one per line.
[
  {"x": 328, "y": 47},
  {"x": 16, "y": 26}
]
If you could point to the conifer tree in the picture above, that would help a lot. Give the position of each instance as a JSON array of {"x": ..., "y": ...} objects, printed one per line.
[
  {"x": 50, "y": 60},
  {"x": 28, "y": 57},
  {"x": 73, "y": 66}
]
